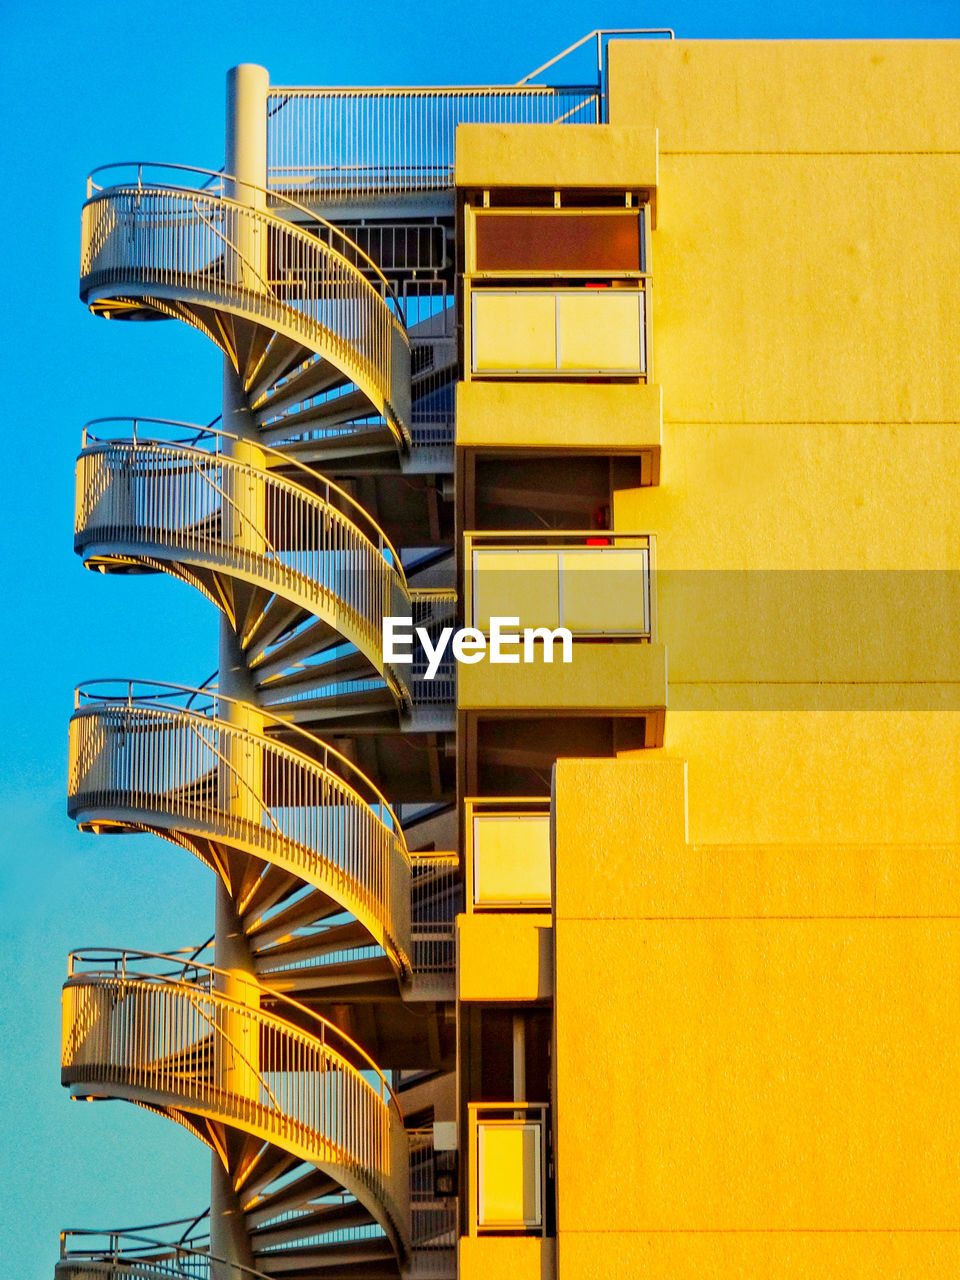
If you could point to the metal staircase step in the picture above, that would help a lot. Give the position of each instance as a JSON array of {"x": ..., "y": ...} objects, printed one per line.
[
  {"x": 328, "y": 941},
  {"x": 309, "y": 640},
  {"x": 279, "y": 359},
  {"x": 309, "y": 909},
  {"x": 330, "y": 412},
  {"x": 312, "y": 379},
  {"x": 279, "y": 617},
  {"x": 290, "y": 1195},
  {"x": 365, "y": 1259},
  {"x": 274, "y": 886},
  {"x": 361, "y": 442},
  {"x": 318, "y": 1220},
  {"x": 373, "y": 978}
]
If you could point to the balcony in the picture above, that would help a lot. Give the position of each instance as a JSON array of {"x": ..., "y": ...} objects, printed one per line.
[
  {"x": 509, "y": 901},
  {"x": 508, "y": 855},
  {"x": 600, "y": 588},
  {"x": 597, "y": 585},
  {"x": 509, "y": 1168},
  {"x": 349, "y": 147},
  {"x": 557, "y": 293}
]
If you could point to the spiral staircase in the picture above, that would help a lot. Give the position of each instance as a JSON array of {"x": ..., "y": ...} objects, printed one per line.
[
  {"x": 332, "y": 963},
  {"x": 322, "y": 265}
]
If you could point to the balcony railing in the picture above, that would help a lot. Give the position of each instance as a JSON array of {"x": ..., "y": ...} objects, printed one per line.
[
  {"x": 558, "y": 333},
  {"x": 507, "y": 844},
  {"x": 509, "y": 1168},
  {"x": 340, "y": 144},
  {"x": 597, "y": 584}
]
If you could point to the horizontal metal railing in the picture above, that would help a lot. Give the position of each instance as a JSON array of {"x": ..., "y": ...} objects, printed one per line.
[
  {"x": 176, "y": 1250},
  {"x": 564, "y": 565},
  {"x": 436, "y": 901},
  {"x": 184, "y": 243},
  {"x": 347, "y": 143},
  {"x": 131, "y": 1025},
  {"x": 167, "y": 758},
  {"x": 217, "y": 512}
]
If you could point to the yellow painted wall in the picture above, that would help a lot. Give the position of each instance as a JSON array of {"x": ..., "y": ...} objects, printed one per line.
[
  {"x": 777, "y": 1001},
  {"x": 506, "y": 1258},
  {"x": 559, "y": 416},
  {"x": 804, "y": 327},
  {"x": 523, "y": 947},
  {"x": 615, "y": 677},
  {"x": 541, "y": 155},
  {"x": 767, "y": 1035}
]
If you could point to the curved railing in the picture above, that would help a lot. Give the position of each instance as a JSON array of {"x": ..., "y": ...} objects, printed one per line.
[
  {"x": 151, "y": 498},
  {"x": 153, "y": 240},
  {"x": 176, "y": 1250},
  {"x": 167, "y": 759},
  {"x": 182, "y": 1045}
]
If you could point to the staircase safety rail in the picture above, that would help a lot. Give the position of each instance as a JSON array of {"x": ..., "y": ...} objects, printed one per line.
[
  {"x": 321, "y": 550},
  {"x": 164, "y": 1033},
  {"x": 601, "y": 35},
  {"x": 145, "y": 755},
  {"x": 218, "y": 183},
  {"x": 155, "y": 240},
  {"x": 437, "y": 900},
  {"x": 155, "y": 1250}
]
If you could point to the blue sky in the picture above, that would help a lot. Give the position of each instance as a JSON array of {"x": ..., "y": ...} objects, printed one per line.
[{"x": 87, "y": 84}]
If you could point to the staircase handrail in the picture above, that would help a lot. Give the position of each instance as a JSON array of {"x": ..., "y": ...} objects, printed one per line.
[
  {"x": 119, "y": 1254},
  {"x": 209, "y": 189},
  {"x": 83, "y": 696},
  {"x": 218, "y": 433},
  {"x": 598, "y": 33},
  {"x": 118, "y": 969}
]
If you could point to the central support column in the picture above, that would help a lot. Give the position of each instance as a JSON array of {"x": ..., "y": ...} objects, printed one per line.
[{"x": 238, "y": 1061}]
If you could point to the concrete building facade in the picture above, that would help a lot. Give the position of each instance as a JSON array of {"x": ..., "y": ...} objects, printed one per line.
[{"x": 640, "y": 964}]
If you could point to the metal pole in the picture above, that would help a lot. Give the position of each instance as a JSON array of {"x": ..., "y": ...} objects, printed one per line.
[{"x": 246, "y": 161}]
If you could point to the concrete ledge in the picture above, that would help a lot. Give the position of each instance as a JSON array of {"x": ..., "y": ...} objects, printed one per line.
[
  {"x": 552, "y": 156},
  {"x": 621, "y": 678},
  {"x": 591, "y": 417},
  {"x": 505, "y": 956},
  {"x": 507, "y": 1258}
]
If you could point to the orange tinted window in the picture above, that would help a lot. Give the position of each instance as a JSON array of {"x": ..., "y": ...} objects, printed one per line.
[{"x": 558, "y": 242}]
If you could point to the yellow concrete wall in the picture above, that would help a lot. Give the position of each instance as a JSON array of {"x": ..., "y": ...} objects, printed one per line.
[
  {"x": 767, "y": 1035},
  {"x": 542, "y": 155},
  {"x": 804, "y": 329},
  {"x": 559, "y": 416},
  {"x": 615, "y": 677},
  {"x": 778, "y": 999},
  {"x": 506, "y": 1258},
  {"x": 522, "y": 945}
]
